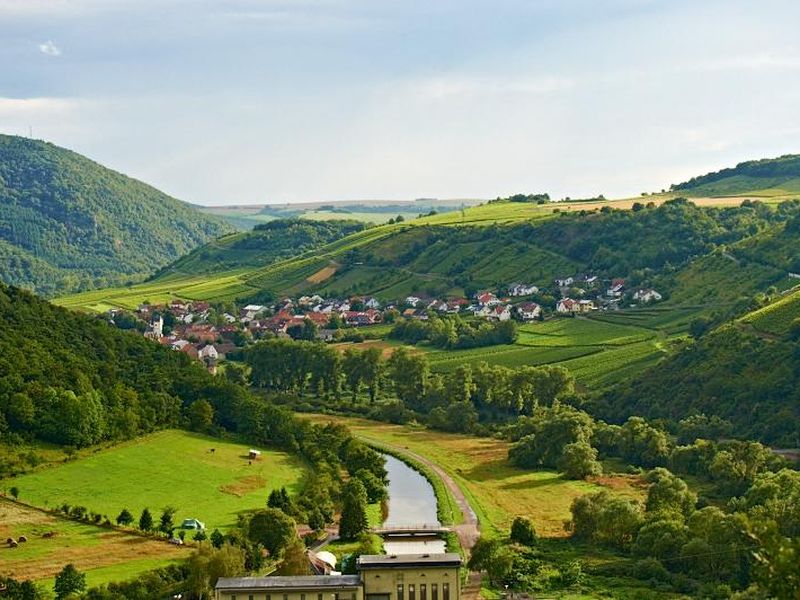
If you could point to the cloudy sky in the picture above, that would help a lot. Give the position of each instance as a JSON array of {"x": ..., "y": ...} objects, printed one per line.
[{"x": 252, "y": 101}]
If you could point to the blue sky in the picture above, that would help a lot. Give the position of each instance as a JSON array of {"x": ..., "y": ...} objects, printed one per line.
[{"x": 252, "y": 101}]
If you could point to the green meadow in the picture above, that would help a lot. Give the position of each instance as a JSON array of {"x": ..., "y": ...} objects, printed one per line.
[
  {"x": 168, "y": 468},
  {"x": 103, "y": 554}
]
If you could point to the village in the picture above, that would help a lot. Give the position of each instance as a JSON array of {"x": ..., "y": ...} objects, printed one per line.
[{"x": 213, "y": 333}]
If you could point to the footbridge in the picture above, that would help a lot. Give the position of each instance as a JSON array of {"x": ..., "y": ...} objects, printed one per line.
[{"x": 411, "y": 530}]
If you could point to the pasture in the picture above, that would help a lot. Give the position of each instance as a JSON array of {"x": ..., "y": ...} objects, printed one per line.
[
  {"x": 103, "y": 554},
  {"x": 497, "y": 490},
  {"x": 168, "y": 468}
]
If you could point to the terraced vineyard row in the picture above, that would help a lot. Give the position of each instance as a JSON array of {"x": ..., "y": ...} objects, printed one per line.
[{"x": 776, "y": 318}]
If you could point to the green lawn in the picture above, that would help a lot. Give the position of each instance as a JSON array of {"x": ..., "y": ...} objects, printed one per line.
[{"x": 168, "y": 468}]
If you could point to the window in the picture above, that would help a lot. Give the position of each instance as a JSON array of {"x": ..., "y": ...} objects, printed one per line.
[
  {"x": 445, "y": 591},
  {"x": 434, "y": 591},
  {"x": 411, "y": 592},
  {"x": 399, "y": 591},
  {"x": 423, "y": 591}
]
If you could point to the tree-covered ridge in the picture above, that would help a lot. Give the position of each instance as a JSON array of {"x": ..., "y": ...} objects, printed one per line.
[
  {"x": 263, "y": 245},
  {"x": 786, "y": 166},
  {"x": 91, "y": 226},
  {"x": 634, "y": 244},
  {"x": 748, "y": 380}
]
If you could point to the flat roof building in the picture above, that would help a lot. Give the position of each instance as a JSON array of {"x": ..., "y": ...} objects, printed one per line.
[{"x": 381, "y": 577}]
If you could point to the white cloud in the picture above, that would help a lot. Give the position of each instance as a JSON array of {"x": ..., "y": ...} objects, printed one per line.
[
  {"x": 49, "y": 48},
  {"x": 25, "y": 106}
]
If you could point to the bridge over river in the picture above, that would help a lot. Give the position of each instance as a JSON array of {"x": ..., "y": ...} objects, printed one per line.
[{"x": 411, "y": 530}]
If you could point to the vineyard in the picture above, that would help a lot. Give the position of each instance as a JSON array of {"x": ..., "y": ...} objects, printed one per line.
[{"x": 776, "y": 318}]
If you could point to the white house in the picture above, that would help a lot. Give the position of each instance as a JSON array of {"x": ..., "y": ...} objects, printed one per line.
[
  {"x": 208, "y": 351},
  {"x": 156, "y": 330},
  {"x": 500, "y": 313},
  {"x": 413, "y": 301},
  {"x": 487, "y": 299},
  {"x": 372, "y": 303},
  {"x": 585, "y": 306},
  {"x": 616, "y": 288},
  {"x": 529, "y": 311},
  {"x": 522, "y": 289},
  {"x": 566, "y": 306},
  {"x": 565, "y": 282},
  {"x": 647, "y": 295}
]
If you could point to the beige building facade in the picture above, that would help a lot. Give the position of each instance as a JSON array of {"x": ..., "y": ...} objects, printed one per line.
[{"x": 381, "y": 577}]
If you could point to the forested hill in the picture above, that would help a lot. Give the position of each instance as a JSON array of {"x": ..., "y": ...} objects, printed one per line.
[
  {"x": 767, "y": 177},
  {"x": 263, "y": 245},
  {"x": 68, "y": 223},
  {"x": 746, "y": 372},
  {"x": 75, "y": 380}
]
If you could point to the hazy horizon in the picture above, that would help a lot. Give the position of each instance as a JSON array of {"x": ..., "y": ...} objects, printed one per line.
[{"x": 278, "y": 101}]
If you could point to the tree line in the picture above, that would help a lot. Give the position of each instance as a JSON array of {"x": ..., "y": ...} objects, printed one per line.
[
  {"x": 454, "y": 333},
  {"x": 456, "y": 400}
]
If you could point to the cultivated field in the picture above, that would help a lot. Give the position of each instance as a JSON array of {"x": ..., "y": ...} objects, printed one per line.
[
  {"x": 103, "y": 554},
  {"x": 498, "y": 491},
  {"x": 168, "y": 468},
  {"x": 776, "y": 318}
]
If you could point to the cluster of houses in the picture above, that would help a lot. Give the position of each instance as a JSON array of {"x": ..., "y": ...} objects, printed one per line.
[
  {"x": 485, "y": 305},
  {"x": 196, "y": 329},
  {"x": 589, "y": 295}
]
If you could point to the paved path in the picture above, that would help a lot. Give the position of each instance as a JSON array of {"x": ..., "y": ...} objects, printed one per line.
[{"x": 469, "y": 531}]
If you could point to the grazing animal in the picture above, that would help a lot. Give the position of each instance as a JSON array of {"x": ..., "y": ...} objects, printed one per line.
[
  {"x": 13, "y": 544},
  {"x": 212, "y": 450},
  {"x": 9, "y": 540},
  {"x": 49, "y": 534},
  {"x": 22, "y": 539}
]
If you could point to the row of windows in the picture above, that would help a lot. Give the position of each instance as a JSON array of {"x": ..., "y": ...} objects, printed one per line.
[
  {"x": 423, "y": 591},
  {"x": 335, "y": 596}
]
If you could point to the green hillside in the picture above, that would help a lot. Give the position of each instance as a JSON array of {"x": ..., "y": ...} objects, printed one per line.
[
  {"x": 439, "y": 256},
  {"x": 766, "y": 178},
  {"x": 263, "y": 245},
  {"x": 745, "y": 378},
  {"x": 68, "y": 223}
]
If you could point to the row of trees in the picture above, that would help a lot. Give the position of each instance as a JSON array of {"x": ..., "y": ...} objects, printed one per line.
[
  {"x": 565, "y": 438},
  {"x": 495, "y": 392},
  {"x": 453, "y": 332}
]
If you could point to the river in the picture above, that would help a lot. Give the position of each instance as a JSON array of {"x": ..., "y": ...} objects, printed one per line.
[{"x": 411, "y": 502}]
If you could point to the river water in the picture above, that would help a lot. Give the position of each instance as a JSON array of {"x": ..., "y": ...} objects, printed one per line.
[{"x": 411, "y": 502}]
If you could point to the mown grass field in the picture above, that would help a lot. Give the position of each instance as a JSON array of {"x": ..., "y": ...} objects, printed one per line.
[
  {"x": 497, "y": 491},
  {"x": 103, "y": 554},
  {"x": 168, "y": 468}
]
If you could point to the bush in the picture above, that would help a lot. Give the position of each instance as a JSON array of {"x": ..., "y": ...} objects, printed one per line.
[{"x": 523, "y": 532}]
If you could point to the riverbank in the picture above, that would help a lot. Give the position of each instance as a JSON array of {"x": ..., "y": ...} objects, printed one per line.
[
  {"x": 452, "y": 506},
  {"x": 496, "y": 491}
]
